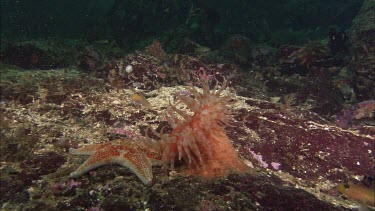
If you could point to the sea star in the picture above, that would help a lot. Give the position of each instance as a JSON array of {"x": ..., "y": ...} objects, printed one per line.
[{"x": 135, "y": 155}]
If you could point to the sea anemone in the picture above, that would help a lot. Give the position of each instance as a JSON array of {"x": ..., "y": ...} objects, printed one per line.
[{"x": 200, "y": 139}]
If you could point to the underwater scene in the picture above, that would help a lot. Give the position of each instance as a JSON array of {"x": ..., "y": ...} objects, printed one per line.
[{"x": 187, "y": 105}]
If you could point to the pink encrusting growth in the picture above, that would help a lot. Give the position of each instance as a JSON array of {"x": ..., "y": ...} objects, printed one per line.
[{"x": 200, "y": 139}]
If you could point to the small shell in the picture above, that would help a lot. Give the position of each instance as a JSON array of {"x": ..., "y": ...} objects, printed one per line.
[{"x": 129, "y": 68}]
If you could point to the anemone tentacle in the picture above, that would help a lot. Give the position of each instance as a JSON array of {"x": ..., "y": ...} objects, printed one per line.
[{"x": 200, "y": 139}]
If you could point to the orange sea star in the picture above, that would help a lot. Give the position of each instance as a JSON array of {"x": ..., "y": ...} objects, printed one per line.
[{"x": 134, "y": 155}]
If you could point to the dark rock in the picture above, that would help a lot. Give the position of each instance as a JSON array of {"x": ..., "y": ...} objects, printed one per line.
[
  {"x": 363, "y": 33},
  {"x": 29, "y": 56}
]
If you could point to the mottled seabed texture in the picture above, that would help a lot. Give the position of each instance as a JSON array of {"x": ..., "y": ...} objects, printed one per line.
[{"x": 187, "y": 105}]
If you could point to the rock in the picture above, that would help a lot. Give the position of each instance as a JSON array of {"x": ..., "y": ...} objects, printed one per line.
[{"x": 363, "y": 32}]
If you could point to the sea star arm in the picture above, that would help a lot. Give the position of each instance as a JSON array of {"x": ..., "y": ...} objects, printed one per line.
[
  {"x": 94, "y": 161},
  {"x": 125, "y": 153},
  {"x": 89, "y": 149}
]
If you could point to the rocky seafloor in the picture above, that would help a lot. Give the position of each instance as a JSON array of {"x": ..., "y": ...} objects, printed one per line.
[
  {"x": 304, "y": 123},
  {"x": 296, "y": 156}
]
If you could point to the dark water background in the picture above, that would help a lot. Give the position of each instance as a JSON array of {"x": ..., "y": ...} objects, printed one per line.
[{"x": 207, "y": 22}]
